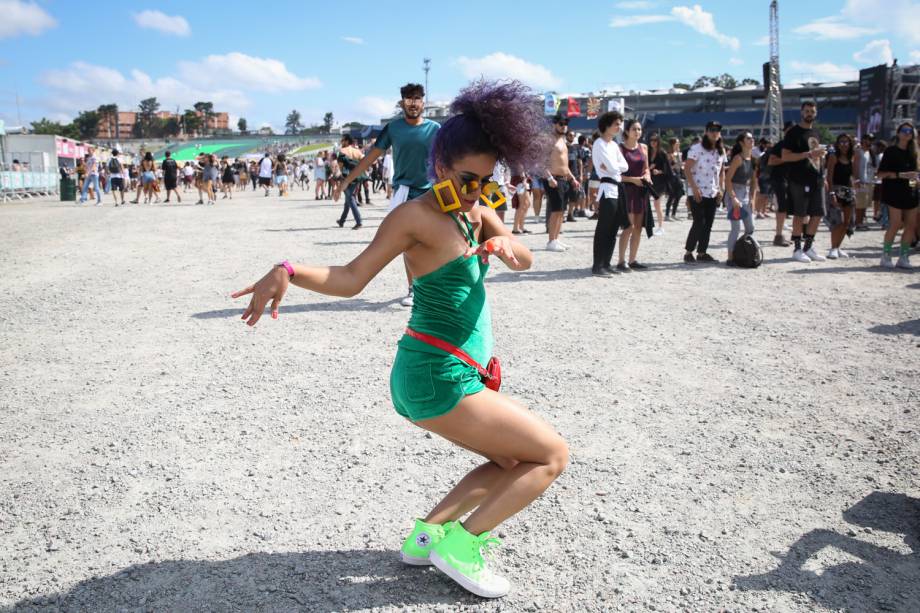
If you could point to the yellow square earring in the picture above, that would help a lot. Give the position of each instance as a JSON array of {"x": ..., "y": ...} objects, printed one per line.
[
  {"x": 448, "y": 185},
  {"x": 489, "y": 190}
]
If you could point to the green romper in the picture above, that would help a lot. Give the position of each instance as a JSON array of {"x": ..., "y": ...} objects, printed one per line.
[{"x": 450, "y": 304}]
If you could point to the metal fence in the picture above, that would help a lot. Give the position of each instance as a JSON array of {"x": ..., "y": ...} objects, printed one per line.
[{"x": 30, "y": 177}]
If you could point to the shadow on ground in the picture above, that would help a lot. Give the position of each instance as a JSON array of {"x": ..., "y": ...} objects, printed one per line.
[
  {"x": 355, "y": 304},
  {"x": 911, "y": 326},
  {"x": 308, "y": 581},
  {"x": 880, "y": 578}
]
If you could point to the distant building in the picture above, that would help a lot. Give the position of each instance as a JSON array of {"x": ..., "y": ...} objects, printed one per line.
[
  {"x": 685, "y": 112},
  {"x": 122, "y": 126}
]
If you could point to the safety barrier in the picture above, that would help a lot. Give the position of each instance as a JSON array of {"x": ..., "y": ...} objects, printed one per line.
[{"x": 22, "y": 184}]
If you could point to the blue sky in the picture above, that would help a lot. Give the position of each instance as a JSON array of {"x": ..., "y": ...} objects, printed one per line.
[{"x": 351, "y": 59}]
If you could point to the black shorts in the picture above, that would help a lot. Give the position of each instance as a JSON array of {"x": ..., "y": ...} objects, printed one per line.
[
  {"x": 118, "y": 184},
  {"x": 781, "y": 191},
  {"x": 265, "y": 181},
  {"x": 555, "y": 196},
  {"x": 573, "y": 192},
  {"x": 806, "y": 201},
  {"x": 170, "y": 182},
  {"x": 765, "y": 186}
]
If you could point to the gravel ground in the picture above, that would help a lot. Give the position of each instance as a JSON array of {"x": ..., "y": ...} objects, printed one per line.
[{"x": 741, "y": 439}]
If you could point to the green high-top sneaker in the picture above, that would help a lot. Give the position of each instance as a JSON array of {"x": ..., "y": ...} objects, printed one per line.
[
  {"x": 418, "y": 544},
  {"x": 459, "y": 555}
]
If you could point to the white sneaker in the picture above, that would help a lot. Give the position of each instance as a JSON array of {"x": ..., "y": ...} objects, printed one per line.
[
  {"x": 799, "y": 256},
  {"x": 408, "y": 300},
  {"x": 787, "y": 227},
  {"x": 555, "y": 246},
  {"x": 833, "y": 254},
  {"x": 843, "y": 253},
  {"x": 659, "y": 231},
  {"x": 886, "y": 261},
  {"x": 904, "y": 262},
  {"x": 814, "y": 255}
]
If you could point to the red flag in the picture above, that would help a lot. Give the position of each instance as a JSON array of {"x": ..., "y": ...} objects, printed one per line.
[{"x": 574, "y": 108}]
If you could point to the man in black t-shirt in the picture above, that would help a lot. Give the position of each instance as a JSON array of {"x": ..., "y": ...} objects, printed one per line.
[
  {"x": 803, "y": 156},
  {"x": 774, "y": 160},
  {"x": 171, "y": 176}
]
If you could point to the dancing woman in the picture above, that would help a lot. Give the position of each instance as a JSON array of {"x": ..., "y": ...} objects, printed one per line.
[{"x": 447, "y": 239}]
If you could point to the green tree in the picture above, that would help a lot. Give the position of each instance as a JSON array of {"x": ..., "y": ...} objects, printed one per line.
[
  {"x": 824, "y": 134},
  {"x": 750, "y": 81},
  {"x": 171, "y": 127},
  {"x": 191, "y": 122},
  {"x": 207, "y": 110},
  {"x": 681, "y": 86},
  {"x": 328, "y": 120},
  {"x": 87, "y": 124},
  {"x": 108, "y": 116},
  {"x": 147, "y": 121},
  {"x": 292, "y": 123},
  {"x": 46, "y": 126},
  {"x": 242, "y": 125}
]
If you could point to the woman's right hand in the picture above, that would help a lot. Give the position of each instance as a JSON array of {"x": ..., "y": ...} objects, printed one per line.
[{"x": 270, "y": 287}]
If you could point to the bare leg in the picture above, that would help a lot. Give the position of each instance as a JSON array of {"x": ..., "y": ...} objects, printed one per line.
[
  {"x": 894, "y": 224},
  {"x": 625, "y": 237},
  {"x": 555, "y": 225},
  {"x": 636, "y": 238},
  {"x": 658, "y": 216},
  {"x": 537, "y": 201},
  {"x": 496, "y": 425}
]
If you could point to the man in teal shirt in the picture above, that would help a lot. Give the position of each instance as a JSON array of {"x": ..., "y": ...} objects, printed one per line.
[{"x": 410, "y": 136}]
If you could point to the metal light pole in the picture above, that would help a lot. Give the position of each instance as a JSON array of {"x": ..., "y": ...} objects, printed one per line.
[{"x": 426, "y": 66}]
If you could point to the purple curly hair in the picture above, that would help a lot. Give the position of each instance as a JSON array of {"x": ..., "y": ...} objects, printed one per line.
[{"x": 499, "y": 118}]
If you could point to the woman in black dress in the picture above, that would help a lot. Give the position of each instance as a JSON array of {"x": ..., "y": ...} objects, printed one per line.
[{"x": 898, "y": 172}]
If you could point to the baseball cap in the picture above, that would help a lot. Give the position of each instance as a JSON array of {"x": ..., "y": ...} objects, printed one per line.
[
  {"x": 560, "y": 118},
  {"x": 713, "y": 125}
]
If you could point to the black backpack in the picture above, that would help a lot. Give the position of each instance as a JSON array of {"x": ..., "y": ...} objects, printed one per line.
[
  {"x": 114, "y": 166},
  {"x": 747, "y": 253}
]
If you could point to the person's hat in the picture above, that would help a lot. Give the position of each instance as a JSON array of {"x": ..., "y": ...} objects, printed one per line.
[
  {"x": 561, "y": 119},
  {"x": 114, "y": 151},
  {"x": 713, "y": 125}
]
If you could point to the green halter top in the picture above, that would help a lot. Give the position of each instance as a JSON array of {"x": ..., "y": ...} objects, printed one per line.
[{"x": 450, "y": 304}]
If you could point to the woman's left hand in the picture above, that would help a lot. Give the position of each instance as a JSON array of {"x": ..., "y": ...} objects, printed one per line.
[{"x": 502, "y": 246}]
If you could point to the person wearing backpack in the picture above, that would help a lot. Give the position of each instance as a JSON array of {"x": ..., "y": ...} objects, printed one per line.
[
  {"x": 740, "y": 181},
  {"x": 117, "y": 177}
]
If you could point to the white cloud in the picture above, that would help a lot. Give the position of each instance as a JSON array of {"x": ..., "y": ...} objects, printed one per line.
[
  {"x": 833, "y": 28},
  {"x": 894, "y": 17},
  {"x": 86, "y": 86},
  {"x": 371, "y": 109},
  {"x": 638, "y": 20},
  {"x": 763, "y": 41},
  {"x": 915, "y": 56},
  {"x": 822, "y": 71},
  {"x": 704, "y": 23},
  {"x": 875, "y": 52},
  {"x": 503, "y": 66},
  {"x": 354, "y": 40},
  {"x": 736, "y": 61},
  {"x": 634, "y": 5},
  {"x": 245, "y": 71},
  {"x": 692, "y": 16},
  {"x": 23, "y": 18},
  {"x": 167, "y": 24}
]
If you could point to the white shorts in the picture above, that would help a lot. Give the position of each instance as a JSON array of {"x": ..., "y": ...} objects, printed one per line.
[{"x": 399, "y": 196}]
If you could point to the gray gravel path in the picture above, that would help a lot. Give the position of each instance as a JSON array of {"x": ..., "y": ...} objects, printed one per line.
[{"x": 741, "y": 440}]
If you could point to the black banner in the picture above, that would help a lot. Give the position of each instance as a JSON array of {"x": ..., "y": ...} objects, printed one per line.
[{"x": 873, "y": 88}]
